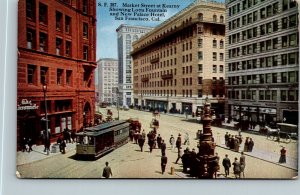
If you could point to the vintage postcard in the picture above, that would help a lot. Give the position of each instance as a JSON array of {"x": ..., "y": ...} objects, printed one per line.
[{"x": 164, "y": 89}]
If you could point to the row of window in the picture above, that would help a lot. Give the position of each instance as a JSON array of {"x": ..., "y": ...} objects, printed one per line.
[
  {"x": 157, "y": 74},
  {"x": 185, "y": 93},
  {"x": 40, "y": 75},
  {"x": 264, "y": 95},
  {"x": 283, "y": 77},
  {"x": 62, "y": 47},
  {"x": 264, "y": 29},
  {"x": 290, "y": 40},
  {"x": 271, "y": 61},
  {"x": 155, "y": 66}
]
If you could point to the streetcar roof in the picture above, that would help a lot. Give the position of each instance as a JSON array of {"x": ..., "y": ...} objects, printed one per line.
[
  {"x": 104, "y": 128},
  {"x": 287, "y": 124}
]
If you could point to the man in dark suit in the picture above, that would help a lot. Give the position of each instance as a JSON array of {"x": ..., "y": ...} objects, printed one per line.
[
  {"x": 164, "y": 161},
  {"x": 226, "y": 164},
  {"x": 243, "y": 163},
  {"x": 106, "y": 171},
  {"x": 163, "y": 148}
]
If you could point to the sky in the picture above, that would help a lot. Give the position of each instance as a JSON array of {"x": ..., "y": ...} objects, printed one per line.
[{"x": 107, "y": 25}]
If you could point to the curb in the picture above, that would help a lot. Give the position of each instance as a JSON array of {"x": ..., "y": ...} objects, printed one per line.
[{"x": 247, "y": 154}]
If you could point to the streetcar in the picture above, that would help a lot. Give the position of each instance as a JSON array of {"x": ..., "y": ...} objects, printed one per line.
[{"x": 99, "y": 140}]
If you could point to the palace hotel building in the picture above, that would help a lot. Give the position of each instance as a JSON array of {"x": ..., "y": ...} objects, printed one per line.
[
  {"x": 180, "y": 64},
  {"x": 57, "y": 48},
  {"x": 262, "y": 60}
]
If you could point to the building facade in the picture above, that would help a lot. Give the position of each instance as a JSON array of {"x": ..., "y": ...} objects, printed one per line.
[
  {"x": 56, "y": 48},
  {"x": 107, "y": 80},
  {"x": 126, "y": 36},
  {"x": 180, "y": 64},
  {"x": 262, "y": 60}
]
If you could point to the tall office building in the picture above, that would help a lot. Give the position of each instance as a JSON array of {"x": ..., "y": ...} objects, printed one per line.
[
  {"x": 126, "y": 36},
  {"x": 107, "y": 80},
  {"x": 180, "y": 64},
  {"x": 57, "y": 47},
  {"x": 262, "y": 60}
]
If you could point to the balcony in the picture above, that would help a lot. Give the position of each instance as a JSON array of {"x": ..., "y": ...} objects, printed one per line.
[
  {"x": 167, "y": 76},
  {"x": 145, "y": 79}
]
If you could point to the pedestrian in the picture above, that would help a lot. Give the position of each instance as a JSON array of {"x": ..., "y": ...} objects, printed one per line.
[
  {"x": 186, "y": 139},
  {"x": 159, "y": 139},
  {"x": 243, "y": 163},
  {"x": 236, "y": 168},
  {"x": 246, "y": 145},
  {"x": 172, "y": 142},
  {"x": 24, "y": 144},
  {"x": 282, "y": 158},
  {"x": 141, "y": 142},
  {"x": 163, "y": 148},
  {"x": 250, "y": 145},
  {"x": 30, "y": 143},
  {"x": 226, "y": 139},
  {"x": 178, "y": 141},
  {"x": 185, "y": 159},
  {"x": 107, "y": 171},
  {"x": 179, "y": 154},
  {"x": 164, "y": 161},
  {"x": 63, "y": 147},
  {"x": 226, "y": 164},
  {"x": 216, "y": 164}
]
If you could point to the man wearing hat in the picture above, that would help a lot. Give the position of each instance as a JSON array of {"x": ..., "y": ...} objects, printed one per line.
[
  {"x": 178, "y": 142},
  {"x": 172, "y": 142}
]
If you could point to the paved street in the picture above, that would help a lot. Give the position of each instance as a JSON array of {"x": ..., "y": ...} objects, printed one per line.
[{"x": 128, "y": 162}]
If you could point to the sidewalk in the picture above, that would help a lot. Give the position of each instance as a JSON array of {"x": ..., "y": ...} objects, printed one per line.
[
  {"x": 38, "y": 154},
  {"x": 271, "y": 157}
]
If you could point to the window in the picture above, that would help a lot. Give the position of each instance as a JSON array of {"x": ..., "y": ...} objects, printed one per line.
[
  {"x": 275, "y": 60},
  {"x": 284, "y": 40},
  {"x": 200, "y": 17},
  {"x": 292, "y": 77},
  {"x": 275, "y": 8},
  {"x": 262, "y": 13},
  {"x": 262, "y": 29},
  {"x": 284, "y": 59},
  {"x": 269, "y": 11},
  {"x": 292, "y": 40},
  {"x": 200, "y": 67},
  {"x": 58, "y": 46},
  {"x": 85, "y": 52},
  {"x": 214, "y": 43},
  {"x": 244, "y": 20},
  {"x": 43, "y": 42},
  {"x": 68, "y": 77},
  {"x": 191, "y": 81},
  {"x": 261, "y": 78},
  {"x": 30, "y": 9},
  {"x": 30, "y": 38},
  {"x": 292, "y": 3},
  {"x": 269, "y": 44},
  {"x": 221, "y": 19},
  {"x": 249, "y": 17},
  {"x": 274, "y": 77},
  {"x": 85, "y": 30},
  {"x": 221, "y": 57},
  {"x": 291, "y": 95},
  {"x": 199, "y": 80},
  {"x": 284, "y": 5},
  {"x": 275, "y": 26},
  {"x": 215, "y": 18},
  {"x": 31, "y": 74},
  {"x": 200, "y": 43},
  {"x": 221, "y": 69},
  {"x": 85, "y": 6},
  {"x": 43, "y": 11},
  {"x": 261, "y": 95},
  {"x": 68, "y": 24},
  {"x": 59, "y": 75},
  {"x": 255, "y": 16},
  {"x": 200, "y": 55},
  {"x": 43, "y": 74},
  {"x": 68, "y": 48},
  {"x": 269, "y": 27},
  {"x": 221, "y": 44},
  {"x": 283, "y": 95},
  {"x": 214, "y": 68},
  {"x": 284, "y": 22},
  {"x": 292, "y": 21},
  {"x": 292, "y": 58},
  {"x": 214, "y": 56},
  {"x": 284, "y": 77},
  {"x": 58, "y": 21}
]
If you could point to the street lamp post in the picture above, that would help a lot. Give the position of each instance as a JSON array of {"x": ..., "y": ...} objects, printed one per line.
[
  {"x": 46, "y": 119},
  {"x": 118, "y": 103}
]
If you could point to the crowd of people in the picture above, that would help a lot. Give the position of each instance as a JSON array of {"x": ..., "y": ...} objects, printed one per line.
[{"x": 234, "y": 142}]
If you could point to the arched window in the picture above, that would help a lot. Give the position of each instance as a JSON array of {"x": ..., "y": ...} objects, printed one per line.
[
  {"x": 215, "y": 18},
  {"x": 200, "y": 17},
  {"x": 128, "y": 37},
  {"x": 221, "y": 19}
]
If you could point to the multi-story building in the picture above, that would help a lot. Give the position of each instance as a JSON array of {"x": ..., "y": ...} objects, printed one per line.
[
  {"x": 180, "y": 64},
  {"x": 107, "y": 80},
  {"x": 57, "y": 49},
  {"x": 126, "y": 36},
  {"x": 262, "y": 60}
]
